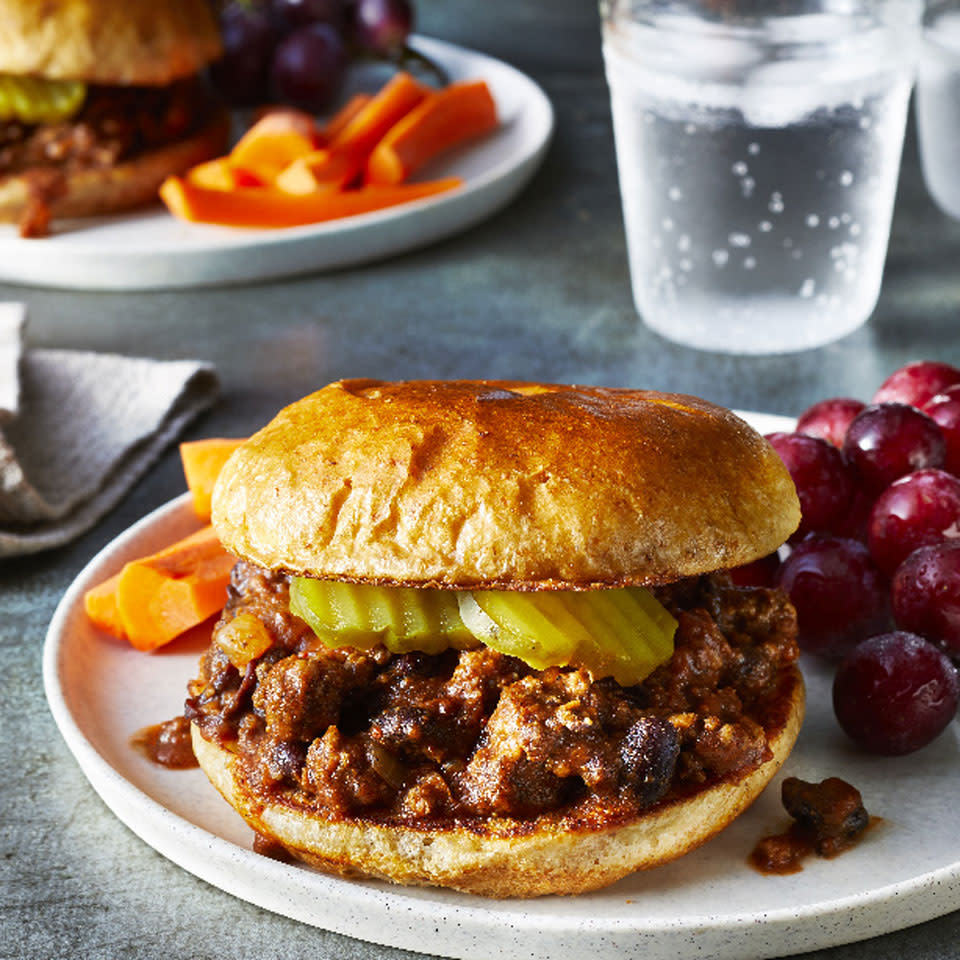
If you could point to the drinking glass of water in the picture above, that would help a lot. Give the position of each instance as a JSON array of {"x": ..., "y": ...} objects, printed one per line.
[
  {"x": 758, "y": 148},
  {"x": 938, "y": 104}
]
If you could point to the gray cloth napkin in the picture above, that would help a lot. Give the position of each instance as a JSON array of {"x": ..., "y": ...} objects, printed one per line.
[{"x": 83, "y": 429}]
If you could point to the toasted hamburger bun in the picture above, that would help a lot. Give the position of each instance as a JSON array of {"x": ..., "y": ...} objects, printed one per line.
[
  {"x": 511, "y": 486},
  {"x": 143, "y": 42},
  {"x": 104, "y": 190},
  {"x": 502, "y": 484},
  {"x": 514, "y": 858}
]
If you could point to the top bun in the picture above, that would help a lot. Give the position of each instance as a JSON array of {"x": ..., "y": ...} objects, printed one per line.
[
  {"x": 503, "y": 484},
  {"x": 116, "y": 42}
]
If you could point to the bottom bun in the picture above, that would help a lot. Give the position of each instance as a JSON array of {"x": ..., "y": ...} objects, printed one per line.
[
  {"x": 504, "y": 858},
  {"x": 103, "y": 190}
]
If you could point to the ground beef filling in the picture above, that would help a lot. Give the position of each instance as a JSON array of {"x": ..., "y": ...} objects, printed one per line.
[
  {"x": 114, "y": 125},
  {"x": 471, "y": 734}
]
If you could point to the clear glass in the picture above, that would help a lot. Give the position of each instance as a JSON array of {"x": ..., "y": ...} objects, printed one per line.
[
  {"x": 758, "y": 148},
  {"x": 938, "y": 105}
]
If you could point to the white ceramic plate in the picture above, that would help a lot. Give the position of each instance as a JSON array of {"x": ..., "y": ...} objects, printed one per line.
[
  {"x": 709, "y": 903},
  {"x": 153, "y": 250}
]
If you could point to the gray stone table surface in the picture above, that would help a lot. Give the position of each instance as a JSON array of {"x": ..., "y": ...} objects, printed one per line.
[{"x": 539, "y": 291}]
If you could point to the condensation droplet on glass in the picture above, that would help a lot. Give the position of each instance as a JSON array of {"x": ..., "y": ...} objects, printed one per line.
[
  {"x": 812, "y": 220},
  {"x": 845, "y": 218},
  {"x": 797, "y": 254},
  {"x": 667, "y": 224},
  {"x": 833, "y": 223},
  {"x": 753, "y": 149},
  {"x": 854, "y": 229},
  {"x": 690, "y": 129},
  {"x": 683, "y": 242},
  {"x": 686, "y": 264},
  {"x": 808, "y": 288},
  {"x": 720, "y": 257},
  {"x": 739, "y": 169},
  {"x": 865, "y": 123},
  {"x": 846, "y": 178},
  {"x": 787, "y": 243},
  {"x": 739, "y": 240},
  {"x": 746, "y": 186},
  {"x": 749, "y": 263},
  {"x": 675, "y": 194},
  {"x": 776, "y": 203},
  {"x": 764, "y": 226}
]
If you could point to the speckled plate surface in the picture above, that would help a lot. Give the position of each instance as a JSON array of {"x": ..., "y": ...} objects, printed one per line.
[
  {"x": 151, "y": 250},
  {"x": 708, "y": 904}
]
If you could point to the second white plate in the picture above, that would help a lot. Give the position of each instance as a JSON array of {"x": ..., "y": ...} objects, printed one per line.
[
  {"x": 152, "y": 250},
  {"x": 709, "y": 903}
]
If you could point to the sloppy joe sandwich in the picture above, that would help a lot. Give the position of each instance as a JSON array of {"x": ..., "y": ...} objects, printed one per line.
[
  {"x": 99, "y": 102},
  {"x": 480, "y": 635}
]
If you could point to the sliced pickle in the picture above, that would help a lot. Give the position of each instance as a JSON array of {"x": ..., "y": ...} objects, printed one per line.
[
  {"x": 36, "y": 100},
  {"x": 618, "y": 633},
  {"x": 403, "y": 619},
  {"x": 624, "y": 633}
]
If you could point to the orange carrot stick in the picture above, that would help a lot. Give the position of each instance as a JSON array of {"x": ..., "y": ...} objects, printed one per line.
[
  {"x": 343, "y": 116},
  {"x": 446, "y": 119},
  {"x": 341, "y": 161},
  {"x": 221, "y": 174},
  {"x": 268, "y": 208},
  {"x": 273, "y": 142},
  {"x": 161, "y": 596},
  {"x": 202, "y": 460},
  {"x": 100, "y": 604}
]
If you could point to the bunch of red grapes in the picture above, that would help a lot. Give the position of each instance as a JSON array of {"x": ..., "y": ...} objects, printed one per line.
[
  {"x": 874, "y": 569},
  {"x": 297, "y": 51}
]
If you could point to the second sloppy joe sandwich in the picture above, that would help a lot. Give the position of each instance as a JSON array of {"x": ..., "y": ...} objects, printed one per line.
[{"x": 479, "y": 633}]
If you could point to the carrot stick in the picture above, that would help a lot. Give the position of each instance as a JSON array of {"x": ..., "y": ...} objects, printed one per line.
[
  {"x": 447, "y": 118},
  {"x": 221, "y": 174},
  {"x": 341, "y": 161},
  {"x": 269, "y": 208},
  {"x": 161, "y": 596},
  {"x": 273, "y": 142},
  {"x": 100, "y": 604},
  {"x": 202, "y": 460},
  {"x": 343, "y": 116}
]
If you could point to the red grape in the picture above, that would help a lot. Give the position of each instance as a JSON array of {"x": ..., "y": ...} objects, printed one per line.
[
  {"x": 382, "y": 26},
  {"x": 888, "y": 440},
  {"x": 895, "y": 693},
  {"x": 829, "y": 419},
  {"x": 822, "y": 478},
  {"x": 308, "y": 66},
  {"x": 839, "y": 594},
  {"x": 291, "y": 14},
  {"x": 925, "y": 594},
  {"x": 248, "y": 38},
  {"x": 760, "y": 573},
  {"x": 916, "y": 383},
  {"x": 944, "y": 410},
  {"x": 855, "y": 522},
  {"x": 920, "y": 509}
]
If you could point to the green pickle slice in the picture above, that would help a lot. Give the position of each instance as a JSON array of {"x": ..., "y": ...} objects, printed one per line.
[
  {"x": 361, "y": 615},
  {"x": 625, "y": 633},
  {"x": 37, "y": 100}
]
